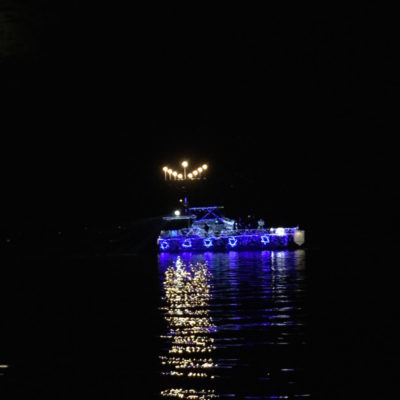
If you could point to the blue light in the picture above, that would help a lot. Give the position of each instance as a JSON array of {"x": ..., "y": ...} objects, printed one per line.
[
  {"x": 264, "y": 239},
  {"x": 164, "y": 245},
  {"x": 250, "y": 240},
  {"x": 208, "y": 242},
  {"x": 232, "y": 241},
  {"x": 187, "y": 243}
]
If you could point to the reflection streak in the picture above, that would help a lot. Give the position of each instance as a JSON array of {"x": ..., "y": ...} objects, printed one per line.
[{"x": 190, "y": 328}]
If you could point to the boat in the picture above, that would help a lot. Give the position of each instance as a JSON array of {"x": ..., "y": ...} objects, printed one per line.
[{"x": 207, "y": 229}]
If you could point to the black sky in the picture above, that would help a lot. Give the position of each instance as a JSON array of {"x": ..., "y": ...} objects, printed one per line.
[{"x": 292, "y": 108}]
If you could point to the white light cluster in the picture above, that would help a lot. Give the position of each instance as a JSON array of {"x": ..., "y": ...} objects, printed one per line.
[
  {"x": 197, "y": 173},
  {"x": 190, "y": 394}
]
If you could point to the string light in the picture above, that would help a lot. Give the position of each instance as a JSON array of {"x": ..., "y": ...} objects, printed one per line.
[
  {"x": 165, "y": 169},
  {"x": 232, "y": 241},
  {"x": 164, "y": 245},
  {"x": 196, "y": 173},
  {"x": 260, "y": 239},
  {"x": 264, "y": 239},
  {"x": 208, "y": 242}
]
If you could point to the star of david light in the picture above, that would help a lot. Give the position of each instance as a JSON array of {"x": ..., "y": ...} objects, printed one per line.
[
  {"x": 264, "y": 239},
  {"x": 187, "y": 243},
  {"x": 232, "y": 241}
]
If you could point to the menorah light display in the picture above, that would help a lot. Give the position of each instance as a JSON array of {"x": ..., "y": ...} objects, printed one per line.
[{"x": 197, "y": 173}]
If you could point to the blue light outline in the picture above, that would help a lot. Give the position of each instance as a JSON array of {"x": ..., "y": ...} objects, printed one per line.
[
  {"x": 164, "y": 245},
  {"x": 187, "y": 243},
  {"x": 265, "y": 239},
  {"x": 245, "y": 241},
  {"x": 209, "y": 244},
  {"x": 230, "y": 241}
]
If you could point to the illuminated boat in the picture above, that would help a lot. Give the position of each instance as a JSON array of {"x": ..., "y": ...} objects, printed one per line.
[{"x": 206, "y": 229}]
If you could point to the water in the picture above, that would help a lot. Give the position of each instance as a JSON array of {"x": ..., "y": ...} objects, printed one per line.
[
  {"x": 114, "y": 327},
  {"x": 234, "y": 325}
]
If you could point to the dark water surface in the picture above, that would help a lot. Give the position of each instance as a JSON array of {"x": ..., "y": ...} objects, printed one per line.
[
  {"x": 234, "y": 326},
  {"x": 238, "y": 330}
]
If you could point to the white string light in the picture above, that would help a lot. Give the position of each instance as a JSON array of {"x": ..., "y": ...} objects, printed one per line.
[{"x": 197, "y": 173}]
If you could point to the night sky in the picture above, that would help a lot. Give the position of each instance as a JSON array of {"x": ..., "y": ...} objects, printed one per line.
[{"x": 291, "y": 107}]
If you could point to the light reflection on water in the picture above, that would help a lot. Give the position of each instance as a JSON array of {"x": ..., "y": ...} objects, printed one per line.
[
  {"x": 234, "y": 325},
  {"x": 190, "y": 328}
]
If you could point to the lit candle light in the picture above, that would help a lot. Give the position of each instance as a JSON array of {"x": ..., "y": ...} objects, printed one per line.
[{"x": 184, "y": 165}]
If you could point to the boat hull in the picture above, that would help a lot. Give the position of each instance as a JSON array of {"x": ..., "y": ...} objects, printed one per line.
[{"x": 260, "y": 241}]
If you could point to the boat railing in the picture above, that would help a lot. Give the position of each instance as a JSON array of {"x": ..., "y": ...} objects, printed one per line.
[{"x": 201, "y": 233}]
